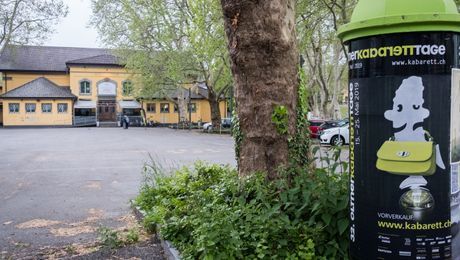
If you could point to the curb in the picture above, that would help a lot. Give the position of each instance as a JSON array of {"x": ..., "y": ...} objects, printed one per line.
[{"x": 170, "y": 252}]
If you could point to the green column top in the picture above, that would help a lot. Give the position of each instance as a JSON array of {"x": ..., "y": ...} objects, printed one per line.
[{"x": 377, "y": 17}]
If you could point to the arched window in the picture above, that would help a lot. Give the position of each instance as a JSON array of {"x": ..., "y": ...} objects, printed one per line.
[
  {"x": 85, "y": 87},
  {"x": 127, "y": 88}
]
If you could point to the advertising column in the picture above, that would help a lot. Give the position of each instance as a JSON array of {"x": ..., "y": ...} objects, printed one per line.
[
  {"x": 401, "y": 139},
  {"x": 404, "y": 102}
]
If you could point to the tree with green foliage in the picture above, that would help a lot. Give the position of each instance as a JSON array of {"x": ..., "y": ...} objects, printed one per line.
[
  {"x": 324, "y": 54},
  {"x": 28, "y": 21},
  {"x": 169, "y": 44},
  {"x": 276, "y": 205}
]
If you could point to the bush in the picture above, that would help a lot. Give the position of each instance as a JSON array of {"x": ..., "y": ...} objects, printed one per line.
[{"x": 209, "y": 212}]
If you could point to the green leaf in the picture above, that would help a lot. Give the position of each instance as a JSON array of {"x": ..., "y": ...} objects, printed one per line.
[
  {"x": 343, "y": 204},
  {"x": 343, "y": 225},
  {"x": 316, "y": 205},
  {"x": 326, "y": 218}
]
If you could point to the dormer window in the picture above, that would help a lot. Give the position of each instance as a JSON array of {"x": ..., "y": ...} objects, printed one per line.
[
  {"x": 85, "y": 87},
  {"x": 127, "y": 88}
]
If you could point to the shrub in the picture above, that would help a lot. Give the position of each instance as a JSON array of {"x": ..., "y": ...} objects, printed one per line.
[{"x": 209, "y": 212}]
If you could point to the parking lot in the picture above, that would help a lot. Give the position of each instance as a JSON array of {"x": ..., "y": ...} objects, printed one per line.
[{"x": 57, "y": 186}]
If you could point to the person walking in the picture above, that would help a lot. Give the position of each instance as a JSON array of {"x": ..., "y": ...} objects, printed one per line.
[{"x": 125, "y": 122}]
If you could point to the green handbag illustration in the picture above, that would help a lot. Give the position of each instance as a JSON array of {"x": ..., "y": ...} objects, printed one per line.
[{"x": 408, "y": 158}]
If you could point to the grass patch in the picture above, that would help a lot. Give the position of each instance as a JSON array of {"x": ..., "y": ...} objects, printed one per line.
[{"x": 113, "y": 239}]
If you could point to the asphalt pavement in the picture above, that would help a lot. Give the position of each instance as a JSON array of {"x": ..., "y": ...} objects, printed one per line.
[{"x": 57, "y": 186}]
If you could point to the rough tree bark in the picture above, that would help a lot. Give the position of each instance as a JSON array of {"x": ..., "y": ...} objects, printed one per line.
[
  {"x": 264, "y": 60},
  {"x": 182, "y": 107},
  {"x": 215, "y": 109}
]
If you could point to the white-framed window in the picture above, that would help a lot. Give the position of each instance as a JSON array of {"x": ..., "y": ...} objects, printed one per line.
[
  {"x": 47, "y": 107},
  {"x": 85, "y": 87},
  {"x": 62, "y": 107},
  {"x": 31, "y": 107},
  {"x": 127, "y": 88},
  {"x": 151, "y": 107},
  {"x": 164, "y": 108},
  {"x": 13, "y": 107},
  {"x": 192, "y": 107}
]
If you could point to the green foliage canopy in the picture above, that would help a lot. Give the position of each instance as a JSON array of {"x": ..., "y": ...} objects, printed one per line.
[
  {"x": 167, "y": 43},
  {"x": 28, "y": 21},
  {"x": 324, "y": 54}
]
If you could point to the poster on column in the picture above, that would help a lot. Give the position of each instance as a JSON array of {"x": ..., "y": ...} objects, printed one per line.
[{"x": 402, "y": 194}]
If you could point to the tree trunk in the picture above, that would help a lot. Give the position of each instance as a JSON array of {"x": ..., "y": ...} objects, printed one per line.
[
  {"x": 264, "y": 57},
  {"x": 182, "y": 106},
  {"x": 336, "y": 78},
  {"x": 314, "y": 105},
  {"x": 215, "y": 109}
]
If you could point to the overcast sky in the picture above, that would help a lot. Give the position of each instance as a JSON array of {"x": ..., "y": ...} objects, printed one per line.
[{"x": 74, "y": 30}]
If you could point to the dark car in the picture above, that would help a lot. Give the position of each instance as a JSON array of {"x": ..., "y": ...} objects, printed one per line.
[
  {"x": 226, "y": 122},
  {"x": 334, "y": 123},
  {"x": 315, "y": 127}
]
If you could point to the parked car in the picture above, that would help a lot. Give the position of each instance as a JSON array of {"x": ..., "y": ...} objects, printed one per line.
[
  {"x": 315, "y": 127},
  {"x": 336, "y": 135},
  {"x": 225, "y": 123},
  {"x": 334, "y": 123}
]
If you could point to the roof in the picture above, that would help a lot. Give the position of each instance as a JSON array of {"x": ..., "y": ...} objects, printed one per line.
[
  {"x": 129, "y": 104},
  {"x": 45, "y": 58},
  {"x": 185, "y": 92},
  {"x": 176, "y": 93},
  {"x": 105, "y": 59},
  {"x": 202, "y": 89},
  {"x": 372, "y": 18},
  {"x": 85, "y": 104},
  {"x": 198, "y": 91},
  {"x": 39, "y": 88}
]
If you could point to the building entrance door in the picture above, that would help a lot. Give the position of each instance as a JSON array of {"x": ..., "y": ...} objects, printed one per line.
[{"x": 106, "y": 110}]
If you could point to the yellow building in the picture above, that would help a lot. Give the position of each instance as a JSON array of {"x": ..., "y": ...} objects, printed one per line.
[
  {"x": 164, "y": 111},
  {"x": 36, "y": 103},
  {"x": 61, "y": 86}
]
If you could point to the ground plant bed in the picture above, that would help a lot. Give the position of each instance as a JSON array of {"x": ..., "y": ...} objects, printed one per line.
[{"x": 208, "y": 211}]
